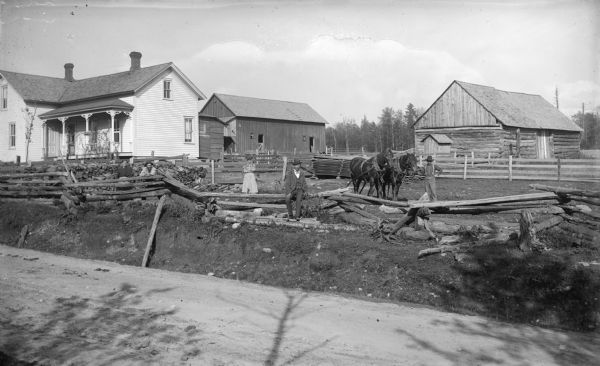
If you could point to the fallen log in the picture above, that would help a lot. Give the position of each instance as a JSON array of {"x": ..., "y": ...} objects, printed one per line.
[
  {"x": 126, "y": 192},
  {"x": 105, "y": 182},
  {"x": 302, "y": 224},
  {"x": 29, "y": 188},
  {"x": 377, "y": 200},
  {"x": 484, "y": 201},
  {"x": 571, "y": 209},
  {"x": 582, "y": 231},
  {"x": 34, "y": 175},
  {"x": 251, "y": 204},
  {"x": 30, "y": 194},
  {"x": 353, "y": 208},
  {"x": 335, "y": 210},
  {"x": 407, "y": 219},
  {"x": 440, "y": 249},
  {"x": 153, "y": 230},
  {"x": 124, "y": 197},
  {"x": 564, "y": 190},
  {"x": 546, "y": 224},
  {"x": 475, "y": 210},
  {"x": 343, "y": 198},
  {"x": 591, "y": 201},
  {"x": 33, "y": 181}
]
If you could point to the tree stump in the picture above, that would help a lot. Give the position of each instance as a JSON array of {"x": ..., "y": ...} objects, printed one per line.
[{"x": 528, "y": 240}]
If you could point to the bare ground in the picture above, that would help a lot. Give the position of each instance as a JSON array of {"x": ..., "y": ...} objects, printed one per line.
[{"x": 547, "y": 289}]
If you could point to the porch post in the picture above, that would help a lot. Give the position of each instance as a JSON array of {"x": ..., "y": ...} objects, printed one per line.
[
  {"x": 44, "y": 140},
  {"x": 63, "y": 140},
  {"x": 111, "y": 138},
  {"x": 87, "y": 132}
]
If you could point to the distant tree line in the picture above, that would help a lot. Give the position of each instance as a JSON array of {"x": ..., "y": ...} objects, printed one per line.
[
  {"x": 590, "y": 123},
  {"x": 393, "y": 129}
]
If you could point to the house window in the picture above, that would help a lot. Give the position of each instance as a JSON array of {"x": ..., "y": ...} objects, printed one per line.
[
  {"x": 167, "y": 89},
  {"x": 260, "y": 138},
  {"x": 12, "y": 135},
  {"x": 203, "y": 128},
  {"x": 188, "y": 128},
  {"x": 4, "y": 97}
]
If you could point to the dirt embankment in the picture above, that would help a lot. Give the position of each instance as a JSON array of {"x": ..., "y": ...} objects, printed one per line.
[{"x": 547, "y": 289}]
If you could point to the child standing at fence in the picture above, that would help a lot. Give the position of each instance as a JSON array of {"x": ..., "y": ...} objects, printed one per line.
[
  {"x": 430, "y": 179},
  {"x": 249, "y": 183}
]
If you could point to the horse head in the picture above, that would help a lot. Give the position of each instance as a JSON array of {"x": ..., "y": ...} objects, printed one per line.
[{"x": 408, "y": 164}]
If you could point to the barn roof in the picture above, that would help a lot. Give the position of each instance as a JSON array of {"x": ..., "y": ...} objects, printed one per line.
[
  {"x": 59, "y": 91},
  {"x": 269, "y": 109},
  {"x": 519, "y": 109},
  {"x": 441, "y": 139}
]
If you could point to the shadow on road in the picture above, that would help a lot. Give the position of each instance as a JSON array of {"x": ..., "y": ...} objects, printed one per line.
[
  {"x": 290, "y": 313},
  {"x": 115, "y": 327},
  {"x": 514, "y": 344}
]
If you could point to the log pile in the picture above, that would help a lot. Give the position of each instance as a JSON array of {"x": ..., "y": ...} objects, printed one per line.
[{"x": 328, "y": 166}]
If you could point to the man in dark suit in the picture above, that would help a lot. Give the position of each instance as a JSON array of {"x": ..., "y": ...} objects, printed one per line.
[{"x": 295, "y": 188}]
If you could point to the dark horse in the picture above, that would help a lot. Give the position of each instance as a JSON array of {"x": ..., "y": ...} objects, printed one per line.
[
  {"x": 365, "y": 171},
  {"x": 394, "y": 174}
]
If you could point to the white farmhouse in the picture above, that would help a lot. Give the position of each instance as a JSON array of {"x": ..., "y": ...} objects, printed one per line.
[{"x": 140, "y": 112}]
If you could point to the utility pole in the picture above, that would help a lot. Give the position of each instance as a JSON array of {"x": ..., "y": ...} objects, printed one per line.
[{"x": 556, "y": 96}]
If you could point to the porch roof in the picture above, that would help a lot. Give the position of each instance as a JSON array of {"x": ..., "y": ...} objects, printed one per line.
[{"x": 96, "y": 106}]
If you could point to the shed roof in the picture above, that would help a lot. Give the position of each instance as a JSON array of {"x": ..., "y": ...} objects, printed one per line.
[
  {"x": 269, "y": 109},
  {"x": 441, "y": 139},
  {"x": 60, "y": 91},
  {"x": 519, "y": 109}
]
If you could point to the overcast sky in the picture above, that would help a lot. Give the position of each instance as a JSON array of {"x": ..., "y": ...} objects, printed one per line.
[{"x": 344, "y": 58}]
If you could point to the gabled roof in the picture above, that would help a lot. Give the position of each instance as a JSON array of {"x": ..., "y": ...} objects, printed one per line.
[
  {"x": 90, "y": 106},
  {"x": 36, "y": 88},
  {"x": 60, "y": 91},
  {"x": 441, "y": 139},
  {"x": 517, "y": 109},
  {"x": 269, "y": 109}
]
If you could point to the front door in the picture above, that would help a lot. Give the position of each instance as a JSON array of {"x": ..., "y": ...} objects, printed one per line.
[
  {"x": 543, "y": 144},
  {"x": 311, "y": 144}
]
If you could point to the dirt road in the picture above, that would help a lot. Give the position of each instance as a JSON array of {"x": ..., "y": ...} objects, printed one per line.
[{"x": 61, "y": 310}]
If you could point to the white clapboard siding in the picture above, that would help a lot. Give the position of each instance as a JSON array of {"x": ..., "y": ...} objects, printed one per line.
[
  {"x": 159, "y": 123},
  {"x": 15, "y": 113}
]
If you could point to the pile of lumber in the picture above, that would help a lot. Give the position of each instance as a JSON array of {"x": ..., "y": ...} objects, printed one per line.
[{"x": 329, "y": 166}]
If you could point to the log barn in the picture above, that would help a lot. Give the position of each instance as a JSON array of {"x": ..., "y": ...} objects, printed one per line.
[
  {"x": 254, "y": 124},
  {"x": 490, "y": 122}
]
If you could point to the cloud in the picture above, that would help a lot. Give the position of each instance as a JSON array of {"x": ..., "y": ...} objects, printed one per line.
[{"x": 338, "y": 76}]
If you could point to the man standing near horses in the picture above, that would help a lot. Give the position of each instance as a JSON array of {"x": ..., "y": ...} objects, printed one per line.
[
  {"x": 430, "y": 179},
  {"x": 295, "y": 188}
]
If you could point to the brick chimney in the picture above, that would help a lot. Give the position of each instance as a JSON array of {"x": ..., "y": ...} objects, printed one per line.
[
  {"x": 136, "y": 58},
  {"x": 69, "y": 72}
]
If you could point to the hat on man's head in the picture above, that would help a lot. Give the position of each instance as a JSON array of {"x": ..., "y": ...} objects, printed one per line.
[
  {"x": 296, "y": 162},
  {"x": 429, "y": 158}
]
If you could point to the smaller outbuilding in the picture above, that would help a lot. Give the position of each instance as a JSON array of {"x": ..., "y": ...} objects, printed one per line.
[{"x": 254, "y": 124}]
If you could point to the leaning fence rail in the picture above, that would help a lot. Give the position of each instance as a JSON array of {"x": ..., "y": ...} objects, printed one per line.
[{"x": 469, "y": 167}]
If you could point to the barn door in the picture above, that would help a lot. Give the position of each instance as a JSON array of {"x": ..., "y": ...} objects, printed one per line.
[{"x": 543, "y": 145}]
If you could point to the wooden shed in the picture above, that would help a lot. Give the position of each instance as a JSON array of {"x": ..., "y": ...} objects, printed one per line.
[
  {"x": 486, "y": 121},
  {"x": 436, "y": 144},
  {"x": 253, "y": 124},
  {"x": 210, "y": 132}
]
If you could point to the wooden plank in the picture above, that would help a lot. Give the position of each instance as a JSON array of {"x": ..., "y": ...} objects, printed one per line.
[
  {"x": 159, "y": 208},
  {"x": 119, "y": 180},
  {"x": 377, "y": 200},
  {"x": 34, "y": 175},
  {"x": 565, "y": 190},
  {"x": 251, "y": 204},
  {"x": 125, "y": 197},
  {"x": 484, "y": 201}
]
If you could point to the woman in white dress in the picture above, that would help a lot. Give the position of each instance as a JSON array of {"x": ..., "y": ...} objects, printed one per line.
[{"x": 249, "y": 183}]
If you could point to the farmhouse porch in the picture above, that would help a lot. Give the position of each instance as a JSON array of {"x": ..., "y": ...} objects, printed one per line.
[{"x": 89, "y": 129}]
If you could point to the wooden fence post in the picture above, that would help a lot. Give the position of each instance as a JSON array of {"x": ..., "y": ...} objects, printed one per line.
[
  {"x": 212, "y": 171},
  {"x": 465, "y": 168},
  {"x": 558, "y": 166},
  {"x": 472, "y": 158},
  {"x": 159, "y": 208},
  {"x": 510, "y": 164},
  {"x": 454, "y": 156},
  {"x": 489, "y": 158},
  {"x": 421, "y": 160},
  {"x": 284, "y": 168}
]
